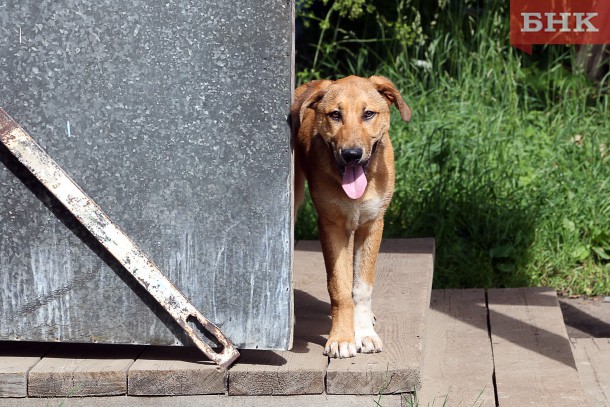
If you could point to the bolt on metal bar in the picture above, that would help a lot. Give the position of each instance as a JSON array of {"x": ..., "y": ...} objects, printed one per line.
[{"x": 122, "y": 248}]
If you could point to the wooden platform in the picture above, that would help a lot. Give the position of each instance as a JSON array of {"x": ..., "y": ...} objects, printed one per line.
[
  {"x": 506, "y": 347},
  {"x": 474, "y": 347},
  {"x": 400, "y": 300}
]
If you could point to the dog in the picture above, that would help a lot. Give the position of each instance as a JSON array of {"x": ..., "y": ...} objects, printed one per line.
[{"x": 342, "y": 148}]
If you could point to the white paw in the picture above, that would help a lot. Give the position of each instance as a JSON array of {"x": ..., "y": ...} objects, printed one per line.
[
  {"x": 367, "y": 340},
  {"x": 340, "y": 349}
]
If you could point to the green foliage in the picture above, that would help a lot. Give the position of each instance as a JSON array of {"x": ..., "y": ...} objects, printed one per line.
[{"x": 506, "y": 161}]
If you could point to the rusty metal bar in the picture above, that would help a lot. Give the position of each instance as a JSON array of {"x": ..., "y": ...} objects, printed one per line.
[{"x": 131, "y": 257}]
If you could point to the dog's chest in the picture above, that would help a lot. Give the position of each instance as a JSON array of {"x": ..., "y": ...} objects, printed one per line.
[{"x": 357, "y": 213}]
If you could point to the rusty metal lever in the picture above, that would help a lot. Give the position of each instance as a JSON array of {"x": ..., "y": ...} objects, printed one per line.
[{"x": 131, "y": 257}]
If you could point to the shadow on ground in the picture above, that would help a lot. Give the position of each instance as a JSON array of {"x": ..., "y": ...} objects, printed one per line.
[{"x": 586, "y": 318}]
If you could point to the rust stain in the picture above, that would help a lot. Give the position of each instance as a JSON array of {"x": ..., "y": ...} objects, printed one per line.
[
  {"x": 8, "y": 136},
  {"x": 7, "y": 125}
]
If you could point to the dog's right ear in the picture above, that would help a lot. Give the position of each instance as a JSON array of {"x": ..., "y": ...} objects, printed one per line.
[{"x": 307, "y": 96}]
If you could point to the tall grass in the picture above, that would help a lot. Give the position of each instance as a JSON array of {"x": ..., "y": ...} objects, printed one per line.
[{"x": 506, "y": 161}]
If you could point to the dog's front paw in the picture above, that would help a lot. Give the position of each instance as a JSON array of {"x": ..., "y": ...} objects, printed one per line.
[
  {"x": 337, "y": 348},
  {"x": 367, "y": 341}
]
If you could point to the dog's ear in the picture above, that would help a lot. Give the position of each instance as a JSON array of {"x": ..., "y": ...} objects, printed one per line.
[
  {"x": 389, "y": 91},
  {"x": 306, "y": 96}
]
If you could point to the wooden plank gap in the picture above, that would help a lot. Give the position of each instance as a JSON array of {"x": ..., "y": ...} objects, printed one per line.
[
  {"x": 532, "y": 353},
  {"x": 458, "y": 365},
  {"x": 73, "y": 370},
  {"x": 592, "y": 357},
  {"x": 49, "y": 350},
  {"x": 16, "y": 361},
  {"x": 174, "y": 371},
  {"x": 491, "y": 345}
]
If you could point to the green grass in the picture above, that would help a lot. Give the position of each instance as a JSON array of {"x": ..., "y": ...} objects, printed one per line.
[
  {"x": 73, "y": 392},
  {"x": 506, "y": 161},
  {"x": 413, "y": 400}
]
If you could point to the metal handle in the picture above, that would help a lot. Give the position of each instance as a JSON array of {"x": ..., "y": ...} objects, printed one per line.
[{"x": 226, "y": 356}]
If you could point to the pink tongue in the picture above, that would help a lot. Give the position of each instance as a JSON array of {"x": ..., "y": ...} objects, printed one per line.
[{"x": 354, "y": 181}]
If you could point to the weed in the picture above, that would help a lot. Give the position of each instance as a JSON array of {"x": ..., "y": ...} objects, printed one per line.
[
  {"x": 412, "y": 400},
  {"x": 77, "y": 388}
]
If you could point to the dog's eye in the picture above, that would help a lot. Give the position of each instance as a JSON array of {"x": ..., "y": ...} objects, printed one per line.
[
  {"x": 367, "y": 115},
  {"x": 335, "y": 115}
]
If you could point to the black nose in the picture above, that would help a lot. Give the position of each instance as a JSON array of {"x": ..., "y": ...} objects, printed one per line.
[{"x": 351, "y": 155}]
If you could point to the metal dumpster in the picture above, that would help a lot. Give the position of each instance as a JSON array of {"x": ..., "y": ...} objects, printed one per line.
[{"x": 171, "y": 115}]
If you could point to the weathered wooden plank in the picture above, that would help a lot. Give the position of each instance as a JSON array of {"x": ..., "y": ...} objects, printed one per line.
[
  {"x": 532, "y": 354},
  {"x": 401, "y": 298},
  {"x": 592, "y": 357},
  {"x": 318, "y": 400},
  {"x": 16, "y": 360},
  {"x": 72, "y": 370},
  {"x": 302, "y": 369},
  {"x": 458, "y": 361},
  {"x": 174, "y": 371}
]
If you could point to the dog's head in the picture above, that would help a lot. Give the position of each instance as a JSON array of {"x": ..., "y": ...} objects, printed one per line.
[{"x": 352, "y": 115}]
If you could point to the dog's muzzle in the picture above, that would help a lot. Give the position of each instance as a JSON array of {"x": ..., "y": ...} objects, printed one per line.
[
  {"x": 352, "y": 169},
  {"x": 350, "y": 157}
]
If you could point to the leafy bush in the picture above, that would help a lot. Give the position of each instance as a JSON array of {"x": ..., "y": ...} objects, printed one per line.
[{"x": 506, "y": 161}]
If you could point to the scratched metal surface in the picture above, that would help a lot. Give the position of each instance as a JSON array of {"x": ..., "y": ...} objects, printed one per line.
[{"x": 171, "y": 116}]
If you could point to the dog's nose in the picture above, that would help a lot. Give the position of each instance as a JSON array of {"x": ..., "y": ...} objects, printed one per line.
[{"x": 351, "y": 155}]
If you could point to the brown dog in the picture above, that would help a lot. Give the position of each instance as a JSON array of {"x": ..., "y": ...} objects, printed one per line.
[{"x": 343, "y": 149}]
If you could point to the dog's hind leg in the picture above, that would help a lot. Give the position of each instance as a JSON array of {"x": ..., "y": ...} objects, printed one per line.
[{"x": 366, "y": 247}]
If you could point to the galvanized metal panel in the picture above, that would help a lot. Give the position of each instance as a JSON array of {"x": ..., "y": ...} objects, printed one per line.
[{"x": 171, "y": 116}]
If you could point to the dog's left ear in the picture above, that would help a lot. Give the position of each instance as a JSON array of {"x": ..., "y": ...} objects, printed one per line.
[{"x": 389, "y": 91}]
